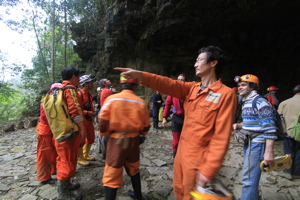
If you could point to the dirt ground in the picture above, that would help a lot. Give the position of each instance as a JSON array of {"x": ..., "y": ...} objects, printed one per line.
[
  {"x": 18, "y": 159},
  {"x": 18, "y": 171}
]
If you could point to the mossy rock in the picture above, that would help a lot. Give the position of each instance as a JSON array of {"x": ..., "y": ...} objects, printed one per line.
[
  {"x": 20, "y": 124},
  {"x": 33, "y": 122},
  {"x": 10, "y": 128}
]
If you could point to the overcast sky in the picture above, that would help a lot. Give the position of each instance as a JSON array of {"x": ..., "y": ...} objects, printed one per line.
[{"x": 20, "y": 48}]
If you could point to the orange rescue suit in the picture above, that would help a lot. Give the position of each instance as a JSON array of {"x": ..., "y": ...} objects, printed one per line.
[
  {"x": 206, "y": 130},
  {"x": 46, "y": 153},
  {"x": 104, "y": 94},
  {"x": 88, "y": 121},
  {"x": 68, "y": 151},
  {"x": 123, "y": 117}
]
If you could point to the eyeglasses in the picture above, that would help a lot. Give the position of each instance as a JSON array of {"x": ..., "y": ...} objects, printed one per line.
[{"x": 200, "y": 59}]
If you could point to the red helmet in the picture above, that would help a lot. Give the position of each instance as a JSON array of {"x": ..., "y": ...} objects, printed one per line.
[
  {"x": 125, "y": 80},
  {"x": 271, "y": 88},
  {"x": 235, "y": 89}
]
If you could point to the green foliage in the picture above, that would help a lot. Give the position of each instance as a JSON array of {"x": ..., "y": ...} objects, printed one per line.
[
  {"x": 31, "y": 105},
  {"x": 38, "y": 18},
  {"x": 11, "y": 102},
  {"x": 6, "y": 93}
]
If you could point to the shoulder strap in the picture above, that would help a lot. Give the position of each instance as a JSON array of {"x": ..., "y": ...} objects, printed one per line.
[
  {"x": 254, "y": 102},
  {"x": 67, "y": 87},
  {"x": 81, "y": 94}
]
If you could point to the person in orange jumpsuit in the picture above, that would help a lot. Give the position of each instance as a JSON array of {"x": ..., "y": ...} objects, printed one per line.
[
  {"x": 106, "y": 91},
  {"x": 209, "y": 108},
  {"x": 105, "y": 84},
  {"x": 272, "y": 97},
  {"x": 46, "y": 152},
  {"x": 123, "y": 118},
  {"x": 177, "y": 117},
  {"x": 89, "y": 112},
  {"x": 68, "y": 150}
]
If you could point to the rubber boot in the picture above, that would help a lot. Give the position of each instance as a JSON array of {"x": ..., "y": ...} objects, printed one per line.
[
  {"x": 174, "y": 154},
  {"x": 64, "y": 193},
  {"x": 49, "y": 181},
  {"x": 136, "y": 185},
  {"x": 110, "y": 193},
  {"x": 86, "y": 151},
  {"x": 81, "y": 159},
  {"x": 74, "y": 186},
  {"x": 155, "y": 126}
]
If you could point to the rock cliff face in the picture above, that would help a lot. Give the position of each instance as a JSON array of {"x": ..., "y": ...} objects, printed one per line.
[{"x": 163, "y": 36}]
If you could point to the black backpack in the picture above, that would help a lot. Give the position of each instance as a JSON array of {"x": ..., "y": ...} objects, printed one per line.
[{"x": 279, "y": 121}]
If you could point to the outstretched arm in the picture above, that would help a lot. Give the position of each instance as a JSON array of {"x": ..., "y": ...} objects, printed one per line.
[
  {"x": 160, "y": 83},
  {"x": 130, "y": 73}
]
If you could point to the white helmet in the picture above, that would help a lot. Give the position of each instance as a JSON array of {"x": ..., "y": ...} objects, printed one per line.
[{"x": 85, "y": 79}]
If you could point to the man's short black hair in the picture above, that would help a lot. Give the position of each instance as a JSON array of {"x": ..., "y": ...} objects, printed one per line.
[
  {"x": 214, "y": 53},
  {"x": 67, "y": 73},
  {"x": 128, "y": 86},
  {"x": 183, "y": 76},
  {"x": 254, "y": 86},
  {"x": 296, "y": 89}
]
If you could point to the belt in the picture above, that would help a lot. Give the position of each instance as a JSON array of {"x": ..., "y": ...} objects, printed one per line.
[
  {"x": 178, "y": 115},
  {"x": 124, "y": 136}
]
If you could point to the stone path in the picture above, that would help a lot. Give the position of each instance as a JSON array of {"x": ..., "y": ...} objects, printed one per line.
[{"x": 18, "y": 182}]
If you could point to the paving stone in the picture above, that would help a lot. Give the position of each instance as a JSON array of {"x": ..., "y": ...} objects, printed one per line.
[
  {"x": 294, "y": 193},
  {"x": 4, "y": 187},
  {"x": 28, "y": 197},
  {"x": 163, "y": 188},
  {"x": 34, "y": 183},
  {"x": 48, "y": 191},
  {"x": 159, "y": 163},
  {"x": 145, "y": 162},
  {"x": 270, "y": 193},
  {"x": 18, "y": 178},
  {"x": 228, "y": 172},
  {"x": 12, "y": 156}
]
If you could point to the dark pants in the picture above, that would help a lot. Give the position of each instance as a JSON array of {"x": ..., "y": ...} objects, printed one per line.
[
  {"x": 155, "y": 113},
  {"x": 293, "y": 147},
  {"x": 177, "y": 123}
]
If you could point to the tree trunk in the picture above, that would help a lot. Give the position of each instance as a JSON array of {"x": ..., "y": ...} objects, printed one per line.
[
  {"x": 66, "y": 35},
  {"x": 53, "y": 42}
]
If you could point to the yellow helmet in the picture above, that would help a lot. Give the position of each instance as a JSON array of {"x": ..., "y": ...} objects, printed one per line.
[
  {"x": 217, "y": 193},
  {"x": 247, "y": 78}
]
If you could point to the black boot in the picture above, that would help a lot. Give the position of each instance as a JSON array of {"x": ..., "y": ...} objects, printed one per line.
[
  {"x": 74, "y": 186},
  {"x": 155, "y": 126},
  {"x": 64, "y": 192},
  {"x": 110, "y": 193},
  {"x": 136, "y": 184}
]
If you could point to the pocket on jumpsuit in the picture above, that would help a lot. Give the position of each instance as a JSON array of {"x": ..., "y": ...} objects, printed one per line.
[{"x": 206, "y": 113}]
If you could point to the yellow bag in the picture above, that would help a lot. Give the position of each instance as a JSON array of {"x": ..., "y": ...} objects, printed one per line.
[
  {"x": 60, "y": 122},
  {"x": 160, "y": 116}
]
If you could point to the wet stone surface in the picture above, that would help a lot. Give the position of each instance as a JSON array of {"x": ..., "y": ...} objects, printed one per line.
[{"x": 18, "y": 181}]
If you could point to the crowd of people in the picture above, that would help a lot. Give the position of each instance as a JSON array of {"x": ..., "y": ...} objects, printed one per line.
[{"x": 204, "y": 115}]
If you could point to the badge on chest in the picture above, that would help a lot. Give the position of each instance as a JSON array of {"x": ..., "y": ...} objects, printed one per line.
[{"x": 213, "y": 97}]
